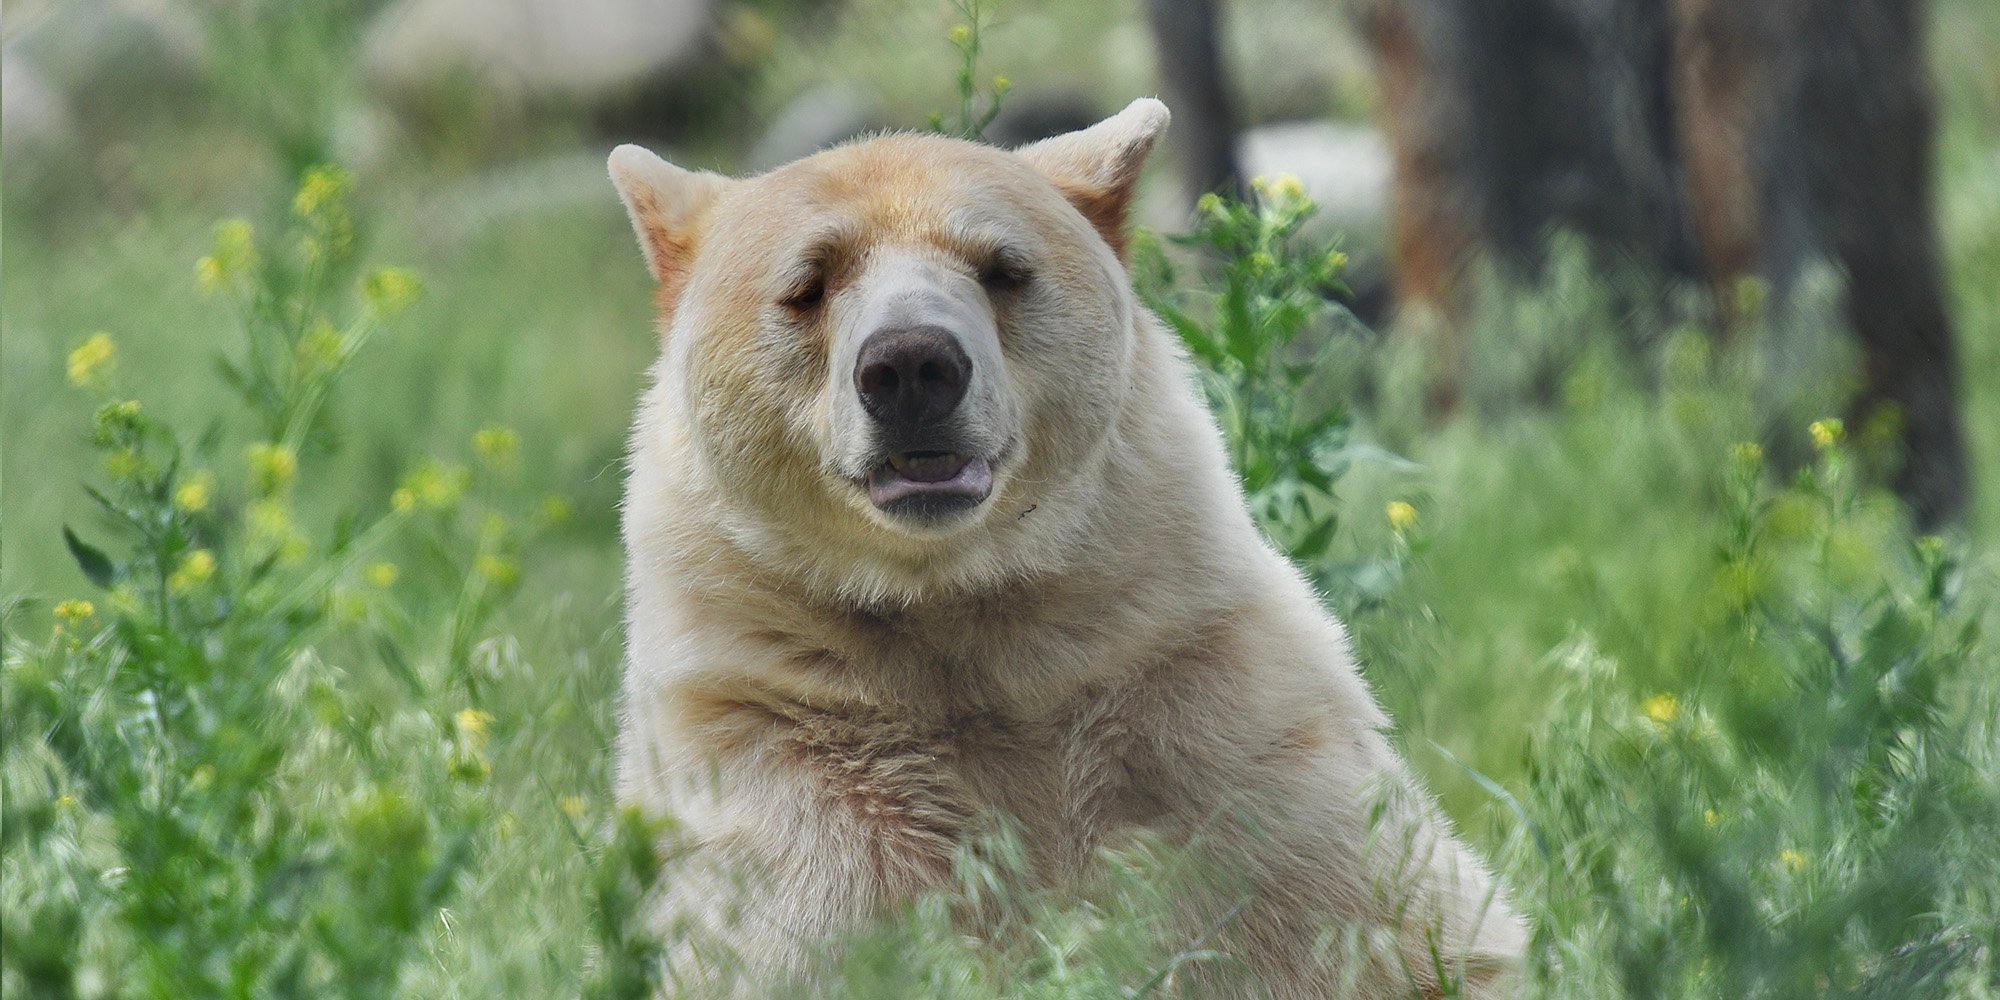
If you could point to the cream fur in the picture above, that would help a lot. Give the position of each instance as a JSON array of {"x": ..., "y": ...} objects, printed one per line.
[{"x": 831, "y": 701}]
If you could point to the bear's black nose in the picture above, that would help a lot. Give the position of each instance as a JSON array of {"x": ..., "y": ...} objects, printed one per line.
[{"x": 911, "y": 377}]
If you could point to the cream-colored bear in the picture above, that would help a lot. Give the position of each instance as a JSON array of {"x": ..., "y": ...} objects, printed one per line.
[{"x": 928, "y": 525}]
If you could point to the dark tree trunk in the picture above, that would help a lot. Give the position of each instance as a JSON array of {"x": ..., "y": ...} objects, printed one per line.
[{"x": 1188, "y": 36}]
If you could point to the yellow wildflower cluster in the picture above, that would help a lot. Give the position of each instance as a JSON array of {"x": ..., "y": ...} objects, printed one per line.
[
  {"x": 74, "y": 610},
  {"x": 391, "y": 290},
  {"x": 195, "y": 493},
  {"x": 272, "y": 530},
  {"x": 1284, "y": 187},
  {"x": 382, "y": 575},
  {"x": 1747, "y": 453},
  {"x": 322, "y": 349},
  {"x": 433, "y": 486},
  {"x": 93, "y": 361},
  {"x": 272, "y": 466},
  {"x": 1402, "y": 517},
  {"x": 233, "y": 255},
  {"x": 1792, "y": 860},
  {"x": 496, "y": 446},
  {"x": 467, "y": 762},
  {"x": 1661, "y": 708},
  {"x": 472, "y": 724},
  {"x": 195, "y": 568},
  {"x": 960, "y": 34},
  {"x": 322, "y": 187},
  {"x": 497, "y": 570},
  {"x": 1827, "y": 433},
  {"x": 554, "y": 509}
]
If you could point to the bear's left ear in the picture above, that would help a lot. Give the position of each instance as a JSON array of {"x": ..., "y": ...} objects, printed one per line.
[
  {"x": 667, "y": 205},
  {"x": 1097, "y": 168}
]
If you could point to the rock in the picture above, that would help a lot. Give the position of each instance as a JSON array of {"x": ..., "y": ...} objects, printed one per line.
[
  {"x": 34, "y": 117},
  {"x": 581, "y": 49},
  {"x": 1344, "y": 167},
  {"x": 821, "y": 117}
]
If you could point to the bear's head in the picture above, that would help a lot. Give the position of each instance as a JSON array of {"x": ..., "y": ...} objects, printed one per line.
[{"x": 897, "y": 344}]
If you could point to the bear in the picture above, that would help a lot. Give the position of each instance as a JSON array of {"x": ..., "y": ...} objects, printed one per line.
[{"x": 928, "y": 525}]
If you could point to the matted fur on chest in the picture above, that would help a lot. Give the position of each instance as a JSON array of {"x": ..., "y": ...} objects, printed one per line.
[{"x": 1067, "y": 784}]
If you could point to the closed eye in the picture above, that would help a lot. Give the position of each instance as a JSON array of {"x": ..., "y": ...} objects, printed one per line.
[
  {"x": 1005, "y": 271},
  {"x": 807, "y": 294}
]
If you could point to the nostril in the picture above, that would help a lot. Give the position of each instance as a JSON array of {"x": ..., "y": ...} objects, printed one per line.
[{"x": 911, "y": 376}]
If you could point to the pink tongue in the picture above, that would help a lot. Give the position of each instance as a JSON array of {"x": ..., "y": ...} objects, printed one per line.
[{"x": 935, "y": 469}]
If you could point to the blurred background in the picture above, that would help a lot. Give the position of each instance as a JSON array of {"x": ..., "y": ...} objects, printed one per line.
[
  {"x": 1665, "y": 366},
  {"x": 1833, "y": 168}
]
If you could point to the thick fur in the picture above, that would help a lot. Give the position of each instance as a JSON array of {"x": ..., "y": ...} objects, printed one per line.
[{"x": 831, "y": 701}]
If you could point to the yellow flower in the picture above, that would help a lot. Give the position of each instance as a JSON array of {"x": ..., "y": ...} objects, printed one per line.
[
  {"x": 93, "y": 361},
  {"x": 74, "y": 610},
  {"x": 1827, "y": 433},
  {"x": 496, "y": 445},
  {"x": 403, "y": 500},
  {"x": 272, "y": 466},
  {"x": 194, "y": 570},
  {"x": 1001, "y": 84},
  {"x": 391, "y": 289},
  {"x": 350, "y": 607},
  {"x": 381, "y": 574},
  {"x": 1333, "y": 264},
  {"x": 554, "y": 510},
  {"x": 115, "y": 422},
  {"x": 572, "y": 806},
  {"x": 433, "y": 485},
  {"x": 1747, "y": 453},
  {"x": 208, "y": 275},
  {"x": 1792, "y": 860},
  {"x": 234, "y": 255},
  {"x": 1402, "y": 516},
  {"x": 235, "y": 246},
  {"x": 1661, "y": 708},
  {"x": 1210, "y": 204},
  {"x": 472, "y": 723},
  {"x": 493, "y": 527},
  {"x": 1288, "y": 187},
  {"x": 1711, "y": 817},
  {"x": 195, "y": 492},
  {"x": 323, "y": 348},
  {"x": 272, "y": 530},
  {"x": 961, "y": 34},
  {"x": 497, "y": 570},
  {"x": 323, "y": 185},
  {"x": 1262, "y": 261}
]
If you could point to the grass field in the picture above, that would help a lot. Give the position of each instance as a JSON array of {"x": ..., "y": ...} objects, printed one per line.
[{"x": 336, "y": 719}]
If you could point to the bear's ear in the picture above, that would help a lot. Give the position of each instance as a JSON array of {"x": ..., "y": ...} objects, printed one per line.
[
  {"x": 1097, "y": 168},
  {"x": 666, "y": 204}
]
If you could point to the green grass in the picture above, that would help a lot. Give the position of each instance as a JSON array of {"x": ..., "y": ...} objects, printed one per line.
[{"x": 1727, "y": 734}]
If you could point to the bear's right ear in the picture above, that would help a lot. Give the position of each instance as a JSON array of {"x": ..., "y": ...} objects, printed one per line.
[
  {"x": 666, "y": 204},
  {"x": 1097, "y": 168}
]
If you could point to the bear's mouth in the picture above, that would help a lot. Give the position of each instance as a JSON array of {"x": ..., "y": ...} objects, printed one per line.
[{"x": 930, "y": 483}]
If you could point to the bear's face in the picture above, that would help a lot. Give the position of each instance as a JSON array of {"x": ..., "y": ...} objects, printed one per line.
[{"x": 899, "y": 336}]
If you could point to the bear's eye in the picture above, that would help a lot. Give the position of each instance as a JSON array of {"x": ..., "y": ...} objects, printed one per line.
[
  {"x": 807, "y": 294},
  {"x": 1005, "y": 272}
]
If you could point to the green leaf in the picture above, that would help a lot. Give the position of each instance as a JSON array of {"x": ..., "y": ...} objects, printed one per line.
[
  {"x": 1317, "y": 540},
  {"x": 96, "y": 566}
]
